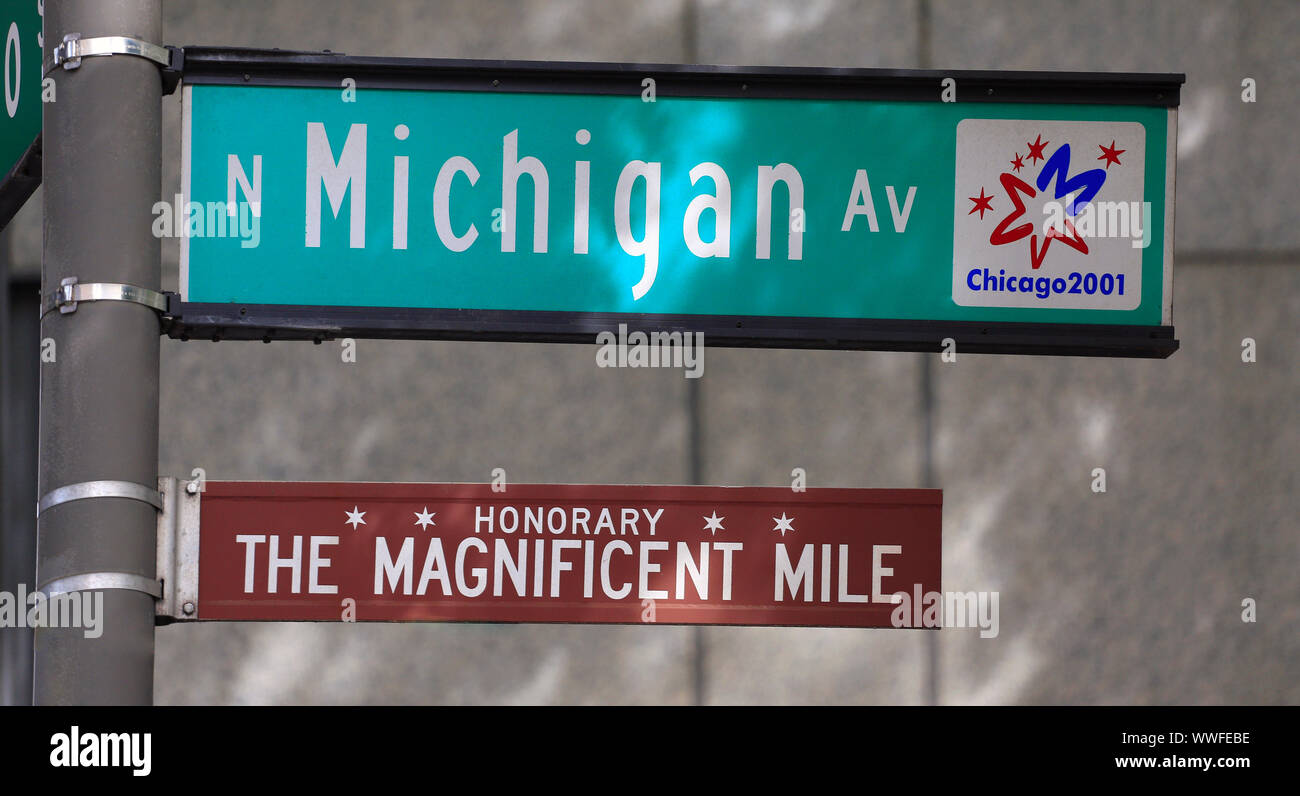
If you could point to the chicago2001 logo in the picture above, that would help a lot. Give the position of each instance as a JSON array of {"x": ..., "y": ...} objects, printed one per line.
[{"x": 1049, "y": 214}]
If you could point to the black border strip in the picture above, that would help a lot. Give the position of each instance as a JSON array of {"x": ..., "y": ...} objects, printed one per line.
[
  {"x": 267, "y": 322},
  {"x": 21, "y": 181},
  {"x": 235, "y": 65}
]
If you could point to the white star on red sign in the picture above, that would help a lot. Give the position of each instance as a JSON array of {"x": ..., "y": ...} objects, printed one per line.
[
  {"x": 714, "y": 524},
  {"x": 783, "y": 524},
  {"x": 424, "y": 518},
  {"x": 355, "y": 518}
]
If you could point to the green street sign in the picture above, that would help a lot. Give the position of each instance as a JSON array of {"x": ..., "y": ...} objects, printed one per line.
[
  {"x": 330, "y": 196},
  {"x": 20, "y": 124}
]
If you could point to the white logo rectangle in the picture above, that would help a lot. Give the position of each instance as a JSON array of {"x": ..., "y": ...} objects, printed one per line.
[{"x": 1049, "y": 214}]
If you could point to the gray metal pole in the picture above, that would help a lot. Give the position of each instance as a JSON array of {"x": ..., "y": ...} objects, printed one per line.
[
  {"x": 7, "y": 668},
  {"x": 99, "y": 400}
]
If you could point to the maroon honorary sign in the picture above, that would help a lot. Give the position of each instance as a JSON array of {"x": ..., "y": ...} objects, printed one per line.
[{"x": 564, "y": 553}]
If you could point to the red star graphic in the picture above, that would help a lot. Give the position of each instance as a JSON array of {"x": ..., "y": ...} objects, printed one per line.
[
  {"x": 982, "y": 203},
  {"x": 1018, "y": 163},
  {"x": 1110, "y": 154},
  {"x": 1014, "y": 186},
  {"x": 1036, "y": 149},
  {"x": 1069, "y": 237}
]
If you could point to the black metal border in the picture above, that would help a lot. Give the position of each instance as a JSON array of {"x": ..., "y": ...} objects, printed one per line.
[
  {"x": 268, "y": 322},
  {"x": 245, "y": 66},
  {"x": 21, "y": 181}
]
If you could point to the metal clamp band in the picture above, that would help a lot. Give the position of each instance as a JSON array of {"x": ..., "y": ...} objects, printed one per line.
[
  {"x": 100, "y": 489},
  {"x": 70, "y": 292},
  {"x": 69, "y": 54},
  {"x": 98, "y": 581}
]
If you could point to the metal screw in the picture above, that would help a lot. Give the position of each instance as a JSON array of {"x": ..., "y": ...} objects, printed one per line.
[
  {"x": 496, "y": 82},
  {"x": 188, "y": 608},
  {"x": 192, "y": 487}
]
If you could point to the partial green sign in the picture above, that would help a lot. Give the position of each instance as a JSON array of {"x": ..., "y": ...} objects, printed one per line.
[
  {"x": 1047, "y": 213},
  {"x": 21, "y": 29}
]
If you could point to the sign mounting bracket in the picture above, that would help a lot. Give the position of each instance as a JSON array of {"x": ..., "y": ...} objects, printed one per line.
[
  {"x": 68, "y": 55},
  {"x": 178, "y": 551},
  {"x": 71, "y": 292}
]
